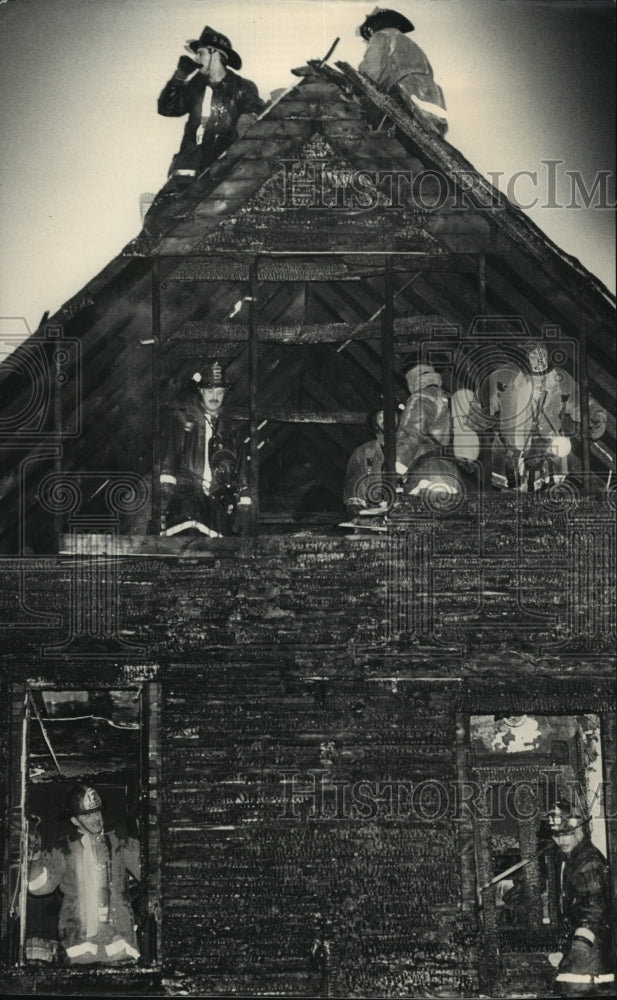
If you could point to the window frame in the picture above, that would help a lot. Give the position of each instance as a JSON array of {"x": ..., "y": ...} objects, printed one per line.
[{"x": 15, "y": 904}]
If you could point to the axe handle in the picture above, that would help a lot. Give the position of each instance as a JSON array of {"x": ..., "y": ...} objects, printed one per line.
[{"x": 504, "y": 874}]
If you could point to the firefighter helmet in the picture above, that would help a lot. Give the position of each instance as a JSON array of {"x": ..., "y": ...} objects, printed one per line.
[
  {"x": 569, "y": 813},
  {"x": 211, "y": 376},
  {"x": 380, "y": 19},
  {"x": 537, "y": 357},
  {"x": 83, "y": 799}
]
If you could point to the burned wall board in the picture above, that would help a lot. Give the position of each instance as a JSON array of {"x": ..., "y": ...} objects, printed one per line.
[
  {"x": 248, "y": 746},
  {"x": 323, "y": 775}
]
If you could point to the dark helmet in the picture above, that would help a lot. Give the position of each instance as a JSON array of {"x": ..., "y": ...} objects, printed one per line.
[
  {"x": 382, "y": 18},
  {"x": 216, "y": 40},
  {"x": 83, "y": 799},
  {"x": 377, "y": 407},
  {"x": 211, "y": 376},
  {"x": 568, "y": 813}
]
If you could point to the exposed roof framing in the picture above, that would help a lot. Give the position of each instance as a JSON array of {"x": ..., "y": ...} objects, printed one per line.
[{"x": 320, "y": 270}]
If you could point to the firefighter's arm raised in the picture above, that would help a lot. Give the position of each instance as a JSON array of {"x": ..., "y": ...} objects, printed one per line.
[
  {"x": 175, "y": 97},
  {"x": 417, "y": 418},
  {"x": 45, "y": 868}
]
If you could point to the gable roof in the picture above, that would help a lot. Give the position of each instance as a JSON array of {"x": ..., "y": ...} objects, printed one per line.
[{"x": 333, "y": 176}]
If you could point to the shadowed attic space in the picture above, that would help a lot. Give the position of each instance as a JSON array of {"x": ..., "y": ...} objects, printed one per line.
[
  {"x": 177, "y": 300},
  {"x": 320, "y": 359}
]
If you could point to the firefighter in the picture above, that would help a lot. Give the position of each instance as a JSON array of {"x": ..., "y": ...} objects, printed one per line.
[
  {"x": 90, "y": 867},
  {"x": 204, "y": 76},
  {"x": 582, "y": 877},
  {"x": 219, "y": 106},
  {"x": 200, "y": 477},
  {"x": 533, "y": 414},
  {"x": 424, "y": 435},
  {"x": 363, "y": 482},
  {"x": 393, "y": 61}
]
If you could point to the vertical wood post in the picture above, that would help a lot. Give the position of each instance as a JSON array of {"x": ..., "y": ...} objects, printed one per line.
[
  {"x": 306, "y": 292},
  {"x": 144, "y": 818},
  {"x": 155, "y": 524},
  {"x": 482, "y": 284},
  {"x": 253, "y": 415},
  {"x": 58, "y": 437},
  {"x": 485, "y": 437},
  {"x": 24, "y": 822},
  {"x": 584, "y": 404},
  {"x": 465, "y": 823},
  {"x": 608, "y": 730},
  {"x": 153, "y": 695},
  {"x": 387, "y": 370}
]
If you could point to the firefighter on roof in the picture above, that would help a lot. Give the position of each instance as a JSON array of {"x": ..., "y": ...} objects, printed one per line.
[
  {"x": 220, "y": 104},
  {"x": 393, "y": 60}
]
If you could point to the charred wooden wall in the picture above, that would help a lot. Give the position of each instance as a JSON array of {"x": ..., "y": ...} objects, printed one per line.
[
  {"x": 289, "y": 674},
  {"x": 295, "y": 886}
]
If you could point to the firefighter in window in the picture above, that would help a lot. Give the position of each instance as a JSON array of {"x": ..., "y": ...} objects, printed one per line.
[
  {"x": 585, "y": 966},
  {"x": 532, "y": 414},
  {"x": 424, "y": 436},
  {"x": 394, "y": 62},
  {"x": 90, "y": 867},
  {"x": 363, "y": 477},
  {"x": 202, "y": 479}
]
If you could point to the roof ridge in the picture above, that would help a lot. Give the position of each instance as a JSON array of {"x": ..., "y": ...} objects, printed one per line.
[{"x": 411, "y": 124}]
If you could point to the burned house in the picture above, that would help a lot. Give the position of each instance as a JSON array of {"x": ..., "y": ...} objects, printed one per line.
[{"x": 330, "y": 744}]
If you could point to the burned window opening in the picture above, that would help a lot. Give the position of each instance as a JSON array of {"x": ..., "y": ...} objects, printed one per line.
[
  {"x": 81, "y": 758},
  {"x": 308, "y": 358},
  {"x": 521, "y": 767},
  {"x": 515, "y": 399}
]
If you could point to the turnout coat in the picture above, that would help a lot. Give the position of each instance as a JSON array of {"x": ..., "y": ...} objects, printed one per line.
[
  {"x": 202, "y": 474},
  {"x": 84, "y": 937},
  {"x": 584, "y": 906},
  {"x": 423, "y": 438},
  {"x": 394, "y": 60},
  {"x": 232, "y": 98}
]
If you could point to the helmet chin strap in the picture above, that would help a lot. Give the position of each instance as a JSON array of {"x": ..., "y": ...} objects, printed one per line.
[{"x": 571, "y": 829}]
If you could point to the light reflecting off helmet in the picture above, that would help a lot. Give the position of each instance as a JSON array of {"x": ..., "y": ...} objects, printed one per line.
[
  {"x": 557, "y": 821},
  {"x": 561, "y": 446},
  {"x": 562, "y": 824},
  {"x": 538, "y": 359}
]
